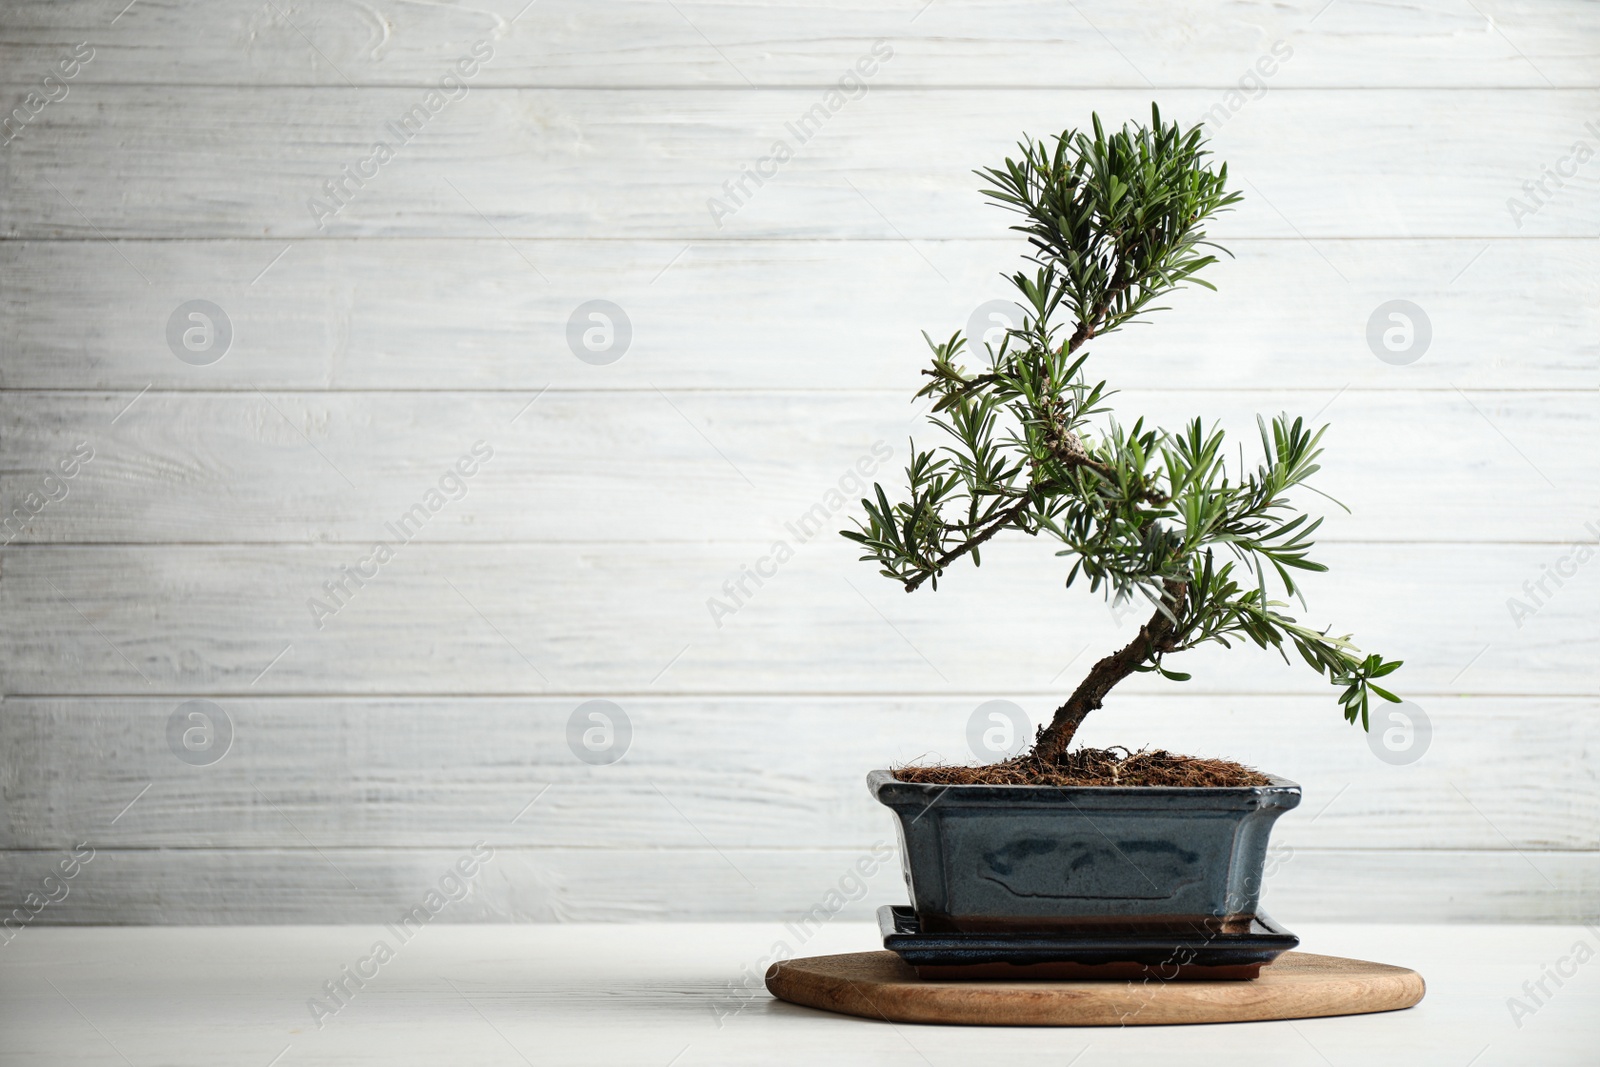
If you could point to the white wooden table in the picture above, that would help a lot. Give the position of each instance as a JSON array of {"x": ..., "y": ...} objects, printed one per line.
[{"x": 660, "y": 994}]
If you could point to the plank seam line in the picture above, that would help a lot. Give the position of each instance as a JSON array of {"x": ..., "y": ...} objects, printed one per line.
[
  {"x": 717, "y": 696},
  {"x": 702, "y": 850},
  {"x": 812, "y": 87},
  {"x": 711, "y": 238},
  {"x": 756, "y": 390}
]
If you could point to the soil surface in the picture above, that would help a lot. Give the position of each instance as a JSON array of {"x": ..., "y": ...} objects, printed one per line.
[{"x": 1094, "y": 766}]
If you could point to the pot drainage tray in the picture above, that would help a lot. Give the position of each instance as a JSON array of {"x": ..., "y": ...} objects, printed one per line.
[
  {"x": 1299, "y": 985},
  {"x": 1203, "y": 954}
]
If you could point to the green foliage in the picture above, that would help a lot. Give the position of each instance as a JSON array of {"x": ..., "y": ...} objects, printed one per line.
[{"x": 1115, "y": 222}]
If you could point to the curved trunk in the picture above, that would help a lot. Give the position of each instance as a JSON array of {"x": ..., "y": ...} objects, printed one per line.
[{"x": 1154, "y": 636}]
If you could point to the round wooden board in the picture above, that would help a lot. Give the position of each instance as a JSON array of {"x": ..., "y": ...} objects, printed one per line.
[{"x": 1300, "y": 985}]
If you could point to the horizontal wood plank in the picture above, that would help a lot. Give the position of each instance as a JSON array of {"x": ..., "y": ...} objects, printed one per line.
[
  {"x": 894, "y": 165},
  {"x": 1509, "y": 313},
  {"x": 248, "y": 886},
  {"x": 255, "y": 467},
  {"x": 740, "y": 773},
  {"x": 612, "y": 619},
  {"x": 732, "y": 44}
]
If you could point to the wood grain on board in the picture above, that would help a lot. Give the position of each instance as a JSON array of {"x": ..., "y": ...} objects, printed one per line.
[
  {"x": 1299, "y": 985},
  {"x": 311, "y": 883},
  {"x": 470, "y": 313},
  {"x": 582, "y": 164},
  {"x": 535, "y": 619},
  {"x": 253, "y": 466},
  {"x": 1092, "y": 43},
  {"x": 743, "y": 771}
]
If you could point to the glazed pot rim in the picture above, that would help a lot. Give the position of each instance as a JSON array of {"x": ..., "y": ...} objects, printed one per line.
[{"x": 882, "y": 779}]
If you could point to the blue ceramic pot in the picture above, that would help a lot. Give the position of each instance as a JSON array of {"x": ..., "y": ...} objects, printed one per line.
[{"x": 982, "y": 858}]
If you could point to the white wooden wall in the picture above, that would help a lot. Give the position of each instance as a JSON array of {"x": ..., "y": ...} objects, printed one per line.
[{"x": 769, "y": 353}]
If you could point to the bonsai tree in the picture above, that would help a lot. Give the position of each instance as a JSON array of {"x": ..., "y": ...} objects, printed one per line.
[{"x": 1115, "y": 223}]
